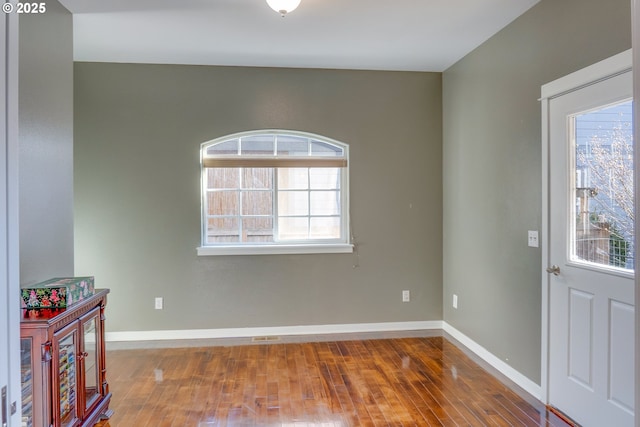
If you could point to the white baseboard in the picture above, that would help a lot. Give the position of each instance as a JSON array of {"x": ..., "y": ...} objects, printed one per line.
[
  {"x": 270, "y": 331},
  {"x": 525, "y": 383},
  {"x": 191, "y": 334}
]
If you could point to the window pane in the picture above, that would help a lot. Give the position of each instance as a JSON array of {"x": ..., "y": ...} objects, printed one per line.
[
  {"x": 222, "y": 203},
  {"x": 293, "y": 178},
  {"x": 257, "y": 178},
  {"x": 292, "y": 146},
  {"x": 324, "y": 178},
  {"x": 257, "y": 202},
  {"x": 223, "y": 178},
  {"x": 258, "y": 145},
  {"x": 224, "y": 148},
  {"x": 257, "y": 230},
  {"x": 293, "y": 228},
  {"x": 325, "y": 228},
  {"x": 222, "y": 230},
  {"x": 325, "y": 203},
  {"x": 604, "y": 231},
  {"x": 325, "y": 149},
  {"x": 293, "y": 203},
  {"x": 240, "y": 201}
]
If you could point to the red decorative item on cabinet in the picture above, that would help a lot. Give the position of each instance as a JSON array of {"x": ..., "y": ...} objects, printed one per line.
[{"x": 64, "y": 381}]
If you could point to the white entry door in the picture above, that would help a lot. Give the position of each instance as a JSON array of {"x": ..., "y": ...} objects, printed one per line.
[{"x": 590, "y": 247}]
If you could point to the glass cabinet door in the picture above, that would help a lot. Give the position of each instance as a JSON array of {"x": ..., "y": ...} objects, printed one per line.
[
  {"x": 26, "y": 375},
  {"x": 66, "y": 405},
  {"x": 90, "y": 357}
]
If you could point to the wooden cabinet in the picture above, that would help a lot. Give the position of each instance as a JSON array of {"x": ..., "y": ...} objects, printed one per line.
[{"x": 64, "y": 380}]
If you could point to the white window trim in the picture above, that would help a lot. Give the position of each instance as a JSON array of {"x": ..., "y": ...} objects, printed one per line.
[
  {"x": 310, "y": 247},
  {"x": 277, "y": 249}
]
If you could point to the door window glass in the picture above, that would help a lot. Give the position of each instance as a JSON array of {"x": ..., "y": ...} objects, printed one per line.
[{"x": 602, "y": 229}]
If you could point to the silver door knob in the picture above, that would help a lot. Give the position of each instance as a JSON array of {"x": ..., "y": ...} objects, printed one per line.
[{"x": 554, "y": 269}]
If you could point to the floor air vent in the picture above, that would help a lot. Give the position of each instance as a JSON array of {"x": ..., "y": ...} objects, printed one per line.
[{"x": 265, "y": 339}]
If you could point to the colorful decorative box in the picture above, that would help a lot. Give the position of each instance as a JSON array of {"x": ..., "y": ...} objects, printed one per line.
[
  {"x": 34, "y": 297},
  {"x": 59, "y": 292},
  {"x": 78, "y": 288}
]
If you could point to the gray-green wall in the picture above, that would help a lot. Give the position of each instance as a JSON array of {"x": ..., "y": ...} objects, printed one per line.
[
  {"x": 138, "y": 130},
  {"x": 492, "y": 167},
  {"x": 46, "y": 144},
  {"x": 137, "y": 134}
]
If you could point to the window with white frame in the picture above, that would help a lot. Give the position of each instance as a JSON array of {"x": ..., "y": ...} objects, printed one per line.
[{"x": 274, "y": 192}]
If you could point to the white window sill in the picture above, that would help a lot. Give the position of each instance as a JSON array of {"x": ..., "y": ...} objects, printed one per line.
[{"x": 337, "y": 248}]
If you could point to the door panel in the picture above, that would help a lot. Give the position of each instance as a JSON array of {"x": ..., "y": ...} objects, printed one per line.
[
  {"x": 580, "y": 349},
  {"x": 621, "y": 382},
  {"x": 591, "y": 299},
  {"x": 90, "y": 363},
  {"x": 65, "y": 380}
]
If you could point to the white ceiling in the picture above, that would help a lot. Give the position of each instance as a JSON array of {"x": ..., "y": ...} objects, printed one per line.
[{"x": 408, "y": 35}]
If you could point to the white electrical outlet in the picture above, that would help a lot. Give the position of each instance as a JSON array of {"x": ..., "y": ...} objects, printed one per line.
[
  {"x": 406, "y": 296},
  {"x": 533, "y": 238},
  {"x": 455, "y": 301},
  {"x": 159, "y": 303}
]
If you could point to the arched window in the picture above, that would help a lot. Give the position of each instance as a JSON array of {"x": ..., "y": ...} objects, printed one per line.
[{"x": 274, "y": 192}]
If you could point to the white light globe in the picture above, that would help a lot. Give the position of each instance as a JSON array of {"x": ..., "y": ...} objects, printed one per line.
[{"x": 283, "y": 6}]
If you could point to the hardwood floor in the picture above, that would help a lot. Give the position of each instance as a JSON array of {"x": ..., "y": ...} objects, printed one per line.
[{"x": 423, "y": 381}]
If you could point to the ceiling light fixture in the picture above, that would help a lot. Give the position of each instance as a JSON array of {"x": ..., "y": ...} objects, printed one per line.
[{"x": 283, "y": 6}]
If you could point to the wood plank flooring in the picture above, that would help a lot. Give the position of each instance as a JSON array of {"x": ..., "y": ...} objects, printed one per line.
[{"x": 423, "y": 381}]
